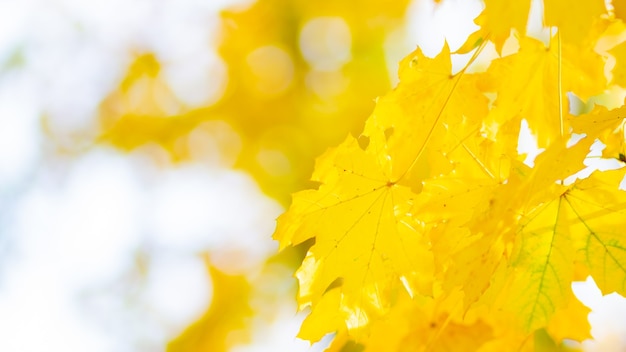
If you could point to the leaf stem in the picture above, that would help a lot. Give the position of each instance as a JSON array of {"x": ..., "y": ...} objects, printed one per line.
[{"x": 560, "y": 81}]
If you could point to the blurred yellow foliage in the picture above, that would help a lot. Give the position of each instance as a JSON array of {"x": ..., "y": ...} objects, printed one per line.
[
  {"x": 301, "y": 75},
  {"x": 226, "y": 320},
  {"x": 393, "y": 212}
]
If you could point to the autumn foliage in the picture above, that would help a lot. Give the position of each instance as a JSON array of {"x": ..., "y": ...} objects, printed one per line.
[
  {"x": 428, "y": 228},
  {"x": 433, "y": 232},
  {"x": 287, "y": 96}
]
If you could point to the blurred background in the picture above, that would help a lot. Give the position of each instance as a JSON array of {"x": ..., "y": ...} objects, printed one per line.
[{"x": 146, "y": 147}]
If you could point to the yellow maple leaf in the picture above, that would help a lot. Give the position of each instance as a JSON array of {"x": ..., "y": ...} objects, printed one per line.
[
  {"x": 364, "y": 235},
  {"x": 543, "y": 265},
  {"x": 421, "y": 324},
  {"x": 570, "y": 322},
  {"x": 605, "y": 125},
  {"x": 496, "y": 22},
  {"x": 599, "y": 211},
  {"x": 599, "y": 121},
  {"x": 474, "y": 258},
  {"x": 410, "y": 127},
  {"x": 574, "y": 19},
  {"x": 325, "y": 317},
  {"x": 527, "y": 84},
  {"x": 585, "y": 217}
]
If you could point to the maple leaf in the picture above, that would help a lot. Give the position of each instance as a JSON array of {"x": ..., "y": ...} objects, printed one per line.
[
  {"x": 371, "y": 184},
  {"x": 570, "y": 322},
  {"x": 544, "y": 266},
  {"x": 599, "y": 209},
  {"x": 327, "y": 316},
  {"x": 599, "y": 121},
  {"x": 472, "y": 245},
  {"x": 421, "y": 324},
  {"x": 496, "y": 22},
  {"x": 605, "y": 125},
  {"x": 573, "y": 19},
  {"x": 409, "y": 129},
  {"x": 364, "y": 235},
  {"x": 500, "y": 17},
  {"x": 531, "y": 215},
  {"x": 527, "y": 84}
]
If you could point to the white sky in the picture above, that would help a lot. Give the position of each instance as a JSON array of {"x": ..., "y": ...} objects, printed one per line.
[{"x": 70, "y": 228}]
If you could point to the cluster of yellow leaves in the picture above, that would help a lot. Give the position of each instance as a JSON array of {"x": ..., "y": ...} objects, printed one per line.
[{"x": 432, "y": 234}]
